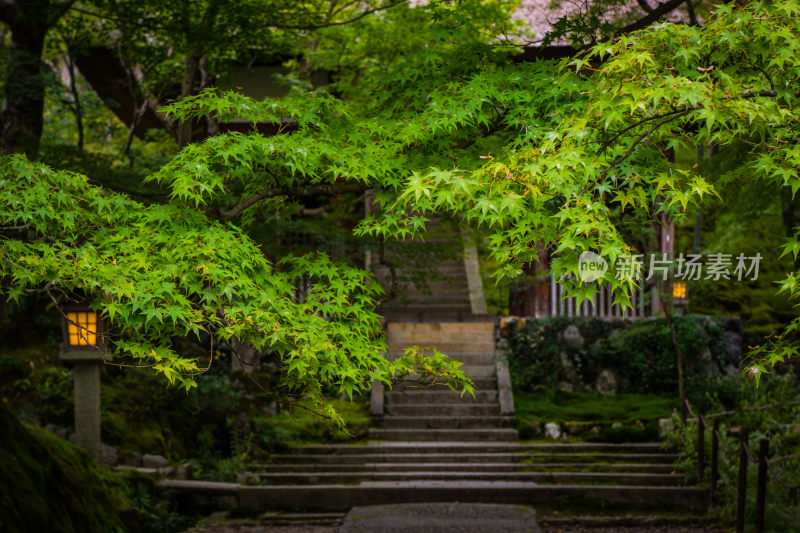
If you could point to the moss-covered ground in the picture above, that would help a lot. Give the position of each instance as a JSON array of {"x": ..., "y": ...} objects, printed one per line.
[{"x": 635, "y": 415}]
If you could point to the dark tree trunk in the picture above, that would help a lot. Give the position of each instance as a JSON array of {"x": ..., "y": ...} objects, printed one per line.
[
  {"x": 191, "y": 67},
  {"x": 23, "y": 102},
  {"x": 107, "y": 75},
  {"x": 531, "y": 295}
]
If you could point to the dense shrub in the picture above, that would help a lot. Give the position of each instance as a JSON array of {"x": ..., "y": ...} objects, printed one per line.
[{"x": 641, "y": 354}]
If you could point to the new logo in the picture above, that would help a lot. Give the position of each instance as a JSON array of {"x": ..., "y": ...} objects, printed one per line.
[{"x": 591, "y": 266}]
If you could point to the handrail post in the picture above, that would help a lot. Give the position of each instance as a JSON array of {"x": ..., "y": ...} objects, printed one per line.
[
  {"x": 741, "y": 486},
  {"x": 761, "y": 488},
  {"x": 701, "y": 430},
  {"x": 714, "y": 459}
]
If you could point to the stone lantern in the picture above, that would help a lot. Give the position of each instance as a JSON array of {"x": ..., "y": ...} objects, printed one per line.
[{"x": 83, "y": 346}]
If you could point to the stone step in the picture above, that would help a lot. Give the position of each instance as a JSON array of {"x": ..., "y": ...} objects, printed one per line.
[
  {"x": 469, "y": 358},
  {"x": 438, "y": 396},
  {"x": 343, "y": 497},
  {"x": 446, "y": 285},
  {"x": 479, "y": 447},
  {"x": 426, "y": 313},
  {"x": 504, "y": 434},
  {"x": 443, "y": 409},
  {"x": 396, "y": 458},
  {"x": 447, "y": 422},
  {"x": 535, "y": 461},
  {"x": 410, "y": 385},
  {"x": 443, "y": 293},
  {"x": 556, "y": 478},
  {"x": 398, "y": 315},
  {"x": 466, "y": 467},
  {"x": 475, "y": 371},
  {"x": 432, "y": 330},
  {"x": 401, "y": 304},
  {"x": 447, "y": 348},
  {"x": 442, "y": 297},
  {"x": 471, "y": 371}
]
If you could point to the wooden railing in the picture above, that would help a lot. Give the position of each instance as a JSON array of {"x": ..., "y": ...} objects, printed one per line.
[
  {"x": 601, "y": 306},
  {"x": 761, "y": 457}
]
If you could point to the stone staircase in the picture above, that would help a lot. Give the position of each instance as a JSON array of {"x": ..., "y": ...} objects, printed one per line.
[
  {"x": 567, "y": 477},
  {"x": 434, "y": 445},
  {"x": 438, "y": 413},
  {"x": 570, "y": 476}
]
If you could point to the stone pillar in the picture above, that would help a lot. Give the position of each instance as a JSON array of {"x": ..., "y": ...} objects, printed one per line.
[
  {"x": 477, "y": 299},
  {"x": 87, "y": 399}
]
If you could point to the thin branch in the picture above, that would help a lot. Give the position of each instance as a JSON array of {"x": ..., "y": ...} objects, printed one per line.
[
  {"x": 642, "y": 137},
  {"x": 60, "y": 10},
  {"x": 342, "y": 22},
  {"x": 300, "y": 192},
  {"x": 655, "y": 14},
  {"x": 610, "y": 141},
  {"x": 692, "y": 15},
  {"x": 644, "y": 5},
  {"x": 130, "y": 192},
  {"x": 668, "y": 118}
]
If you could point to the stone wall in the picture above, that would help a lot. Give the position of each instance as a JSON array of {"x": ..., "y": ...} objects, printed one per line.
[{"x": 618, "y": 356}]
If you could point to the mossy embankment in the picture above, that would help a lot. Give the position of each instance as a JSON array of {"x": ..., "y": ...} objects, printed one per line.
[{"x": 47, "y": 484}]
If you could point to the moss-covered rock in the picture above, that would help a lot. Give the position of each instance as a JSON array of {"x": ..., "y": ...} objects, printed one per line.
[{"x": 47, "y": 484}]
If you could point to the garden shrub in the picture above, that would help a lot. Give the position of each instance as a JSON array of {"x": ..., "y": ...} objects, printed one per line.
[{"x": 641, "y": 354}]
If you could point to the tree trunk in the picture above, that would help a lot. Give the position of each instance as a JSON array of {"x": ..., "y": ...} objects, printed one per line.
[
  {"x": 23, "y": 105},
  {"x": 191, "y": 67}
]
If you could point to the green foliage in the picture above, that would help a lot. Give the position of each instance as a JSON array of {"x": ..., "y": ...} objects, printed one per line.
[
  {"x": 159, "y": 271},
  {"x": 298, "y": 425},
  {"x": 641, "y": 354},
  {"x": 768, "y": 412},
  {"x": 582, "y": 159}
]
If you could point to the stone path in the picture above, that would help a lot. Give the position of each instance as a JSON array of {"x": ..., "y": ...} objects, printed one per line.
[
  {"x": 445, "y": 518},
  {"x": 441, "y": 518}
]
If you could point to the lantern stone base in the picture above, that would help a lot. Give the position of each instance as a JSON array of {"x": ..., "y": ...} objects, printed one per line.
[{"x": 87, "y": 399}]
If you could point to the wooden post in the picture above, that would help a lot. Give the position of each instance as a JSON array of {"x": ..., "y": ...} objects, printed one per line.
[
  {"x": 684, "y": 406},
  {"x": 714, "y": 459},
  {"x": 761, "y": 488},
  {"x": 701, "y": 433},
  {"x": 741, "y": 486}
]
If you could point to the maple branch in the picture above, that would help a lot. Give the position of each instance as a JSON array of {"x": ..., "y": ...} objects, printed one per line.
[
  {"x": 653, "y": 15},
  {"x": 642, "y": 137},
  {"x": 342, "y": 22},
  {"x": 296, "y": 192}
]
